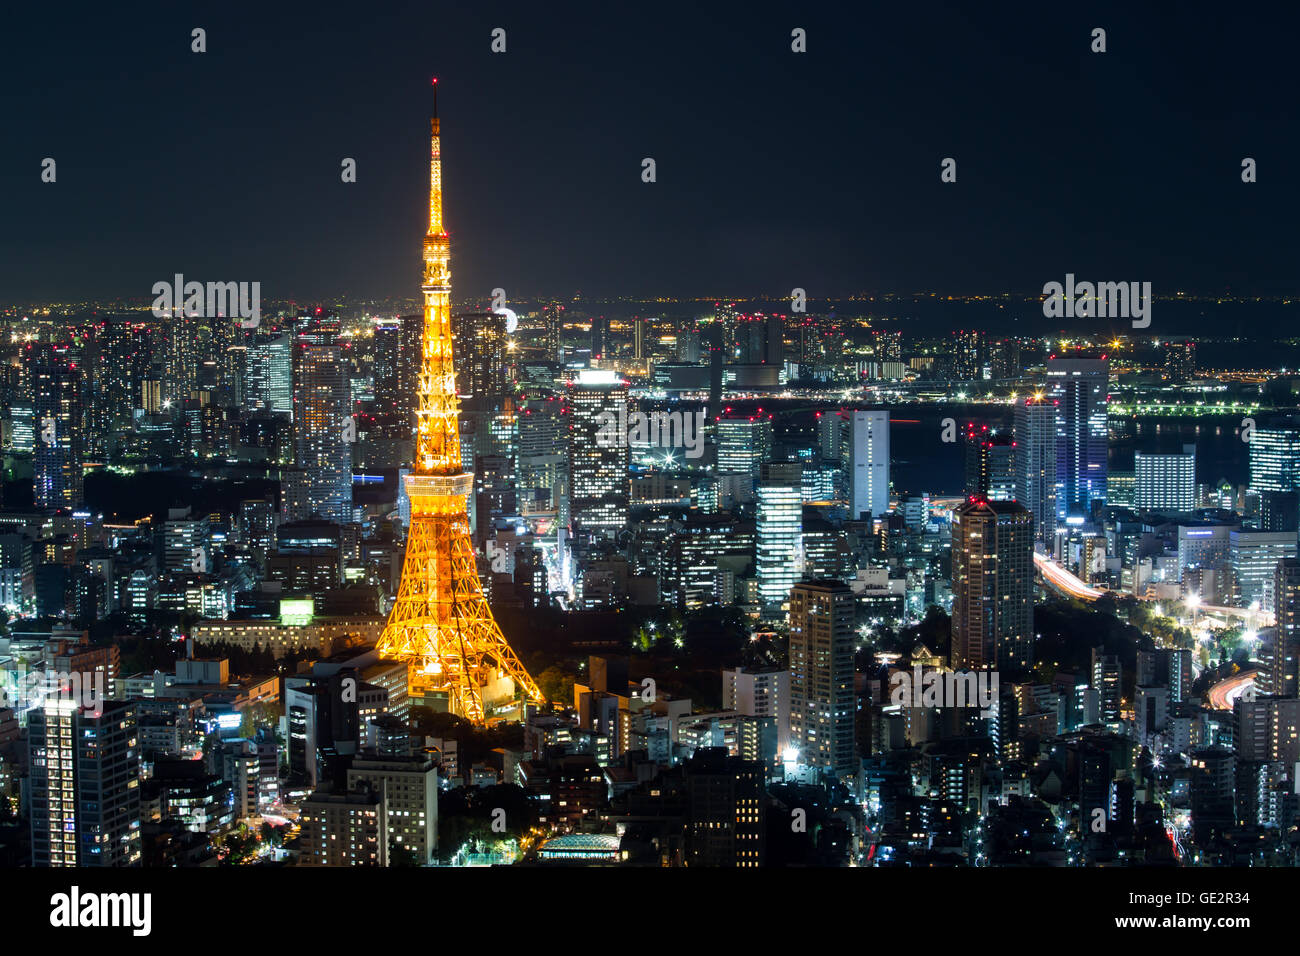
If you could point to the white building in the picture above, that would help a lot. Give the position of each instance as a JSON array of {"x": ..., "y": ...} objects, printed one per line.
[
  {"x": 763, "y": 692},
  {"x": 1165, "y": 482},
  {"x": 869, "y": 462}
]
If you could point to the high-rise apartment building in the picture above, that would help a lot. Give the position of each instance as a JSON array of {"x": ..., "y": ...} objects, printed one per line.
[
  {"x": 726, "y": 815},
  {"x": 760, "y": 692},
  {"x": 1180, "y": 361},
  {"x": 992, "y": 585},
  {"x": 408, "y": 787},
  {"x": 1281, "y": 674},
  {"x": 344, "y": 829},
  {"x": 990, "y": 464},
  {"x": 1107, "y": 682},
  {"x": 57, "y": 422},
  {"x": 822, "y": 701},
  {"x": 1035, "y": 462},
  {"x": 85, "y": 783}
]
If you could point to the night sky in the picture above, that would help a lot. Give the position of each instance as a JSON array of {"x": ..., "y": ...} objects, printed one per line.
[{"x": 775, "y": 169}]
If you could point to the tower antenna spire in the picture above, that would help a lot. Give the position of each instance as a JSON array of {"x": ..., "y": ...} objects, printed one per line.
[{"x": 435, "y": 97}]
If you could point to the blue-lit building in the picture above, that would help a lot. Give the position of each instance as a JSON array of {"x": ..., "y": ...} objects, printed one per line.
[{"x": 1079, "y": 387}]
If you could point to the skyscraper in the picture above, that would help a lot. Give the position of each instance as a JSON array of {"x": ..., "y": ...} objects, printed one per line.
[
  {"x": 1035, "y": 462},
  {"x": 1281, "y": 674},
  {"x": 480, "y": 345},
  {"x": 58, "y": 413},
  {"x": 760, "y": 340},
  {"x": 990, "y": 464},
  {"x": 552, "y": 330},
  {"x": 992, "y": 585},
  {"x": 638, "y": 337},
  {"x": 868, "y": 462},
  {"x": 777, "y": 532},
  {"x": 85, "y": 781},
  {"x": 1080, "y": 387},
  {"x": 744, "y": 443},
  {"x": 386, "y": 367},
  {"x": 969, "y": 349},
  {"x": 268, "y": 375},
  {"x": 822, "y": 702},
  {"x": 598, "y": 452},
  {"x": 1275, "y": 458},
  {"x": 1180, "y": 361},
  {"x": 322, "y": 428}
]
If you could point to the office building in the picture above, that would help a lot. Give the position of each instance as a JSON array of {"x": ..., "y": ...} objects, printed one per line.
[
  {"x": 778, "y": 530},
  {"x": 1079, "y": 386},
  {"x": 868, "y": 463},
  {"x": 744, "y": 443},
  {"x": 479, "y": 343},
  {"x": 1275, "y": 457},
  {"x": 323, "y": 431},
  {"x": 1254, "y": 557},
  {"x": 598, "y": 452},
  {"x": 1165, "y": 483}
]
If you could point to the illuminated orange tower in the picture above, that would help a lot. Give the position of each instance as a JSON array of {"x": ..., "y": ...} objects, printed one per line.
[{"x": 441, "y": 624}]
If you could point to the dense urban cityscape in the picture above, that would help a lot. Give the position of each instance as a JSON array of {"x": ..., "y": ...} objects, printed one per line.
[
  {"x": 709, "y": 561},
  {"x": 795, "y": 587}
]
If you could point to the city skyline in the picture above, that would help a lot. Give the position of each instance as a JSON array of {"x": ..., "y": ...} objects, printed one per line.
[{"x": 430, "y": 574}]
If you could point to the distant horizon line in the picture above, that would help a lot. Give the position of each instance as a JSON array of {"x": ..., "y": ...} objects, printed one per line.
[{"x": 143, "y": 302}]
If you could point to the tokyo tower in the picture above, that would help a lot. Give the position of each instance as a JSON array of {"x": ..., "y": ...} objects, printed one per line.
[{"x": 441, "y": 625}]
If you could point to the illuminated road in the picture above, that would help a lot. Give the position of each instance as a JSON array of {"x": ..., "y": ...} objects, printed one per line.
[
  {"x": 1225, "y": 692},
  {"x": 1063, "y": 580}
]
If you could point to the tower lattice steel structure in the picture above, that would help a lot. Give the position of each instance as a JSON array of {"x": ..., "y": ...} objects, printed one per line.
[{"x": 441, "y": 624}]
